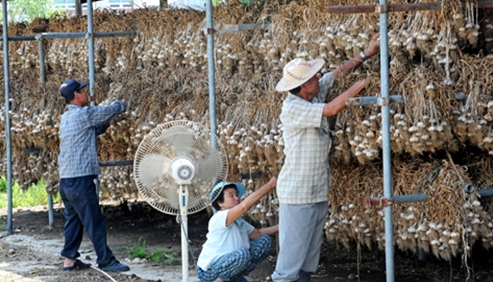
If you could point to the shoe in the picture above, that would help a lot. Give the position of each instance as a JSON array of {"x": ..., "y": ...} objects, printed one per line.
[
  {"x": 78, "y": 265},
  {"x": 242, "y": 279},
  {"x": 115, "y": 266}
]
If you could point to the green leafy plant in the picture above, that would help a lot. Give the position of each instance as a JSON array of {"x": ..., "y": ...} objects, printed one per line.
[
  {"x": 35, "y": 195},
  {"x": 157, "y": 255},
  {"x": 3, "y": 185}
]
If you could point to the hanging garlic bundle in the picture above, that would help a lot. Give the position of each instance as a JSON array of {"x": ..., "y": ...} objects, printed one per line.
[
  {"x": 447, "y": 224},
  {"x": 364, "y": 144},
  {"x": 340, "y": 144},
  {"x": 406, "y": 229},
  {"x": 466, "y": 25},
  {"x": 347, "y": 219},
  {"x": 117, "y": 182},
  {"x": 252, "y": 150},
  {"x": 272, "y": 52}
]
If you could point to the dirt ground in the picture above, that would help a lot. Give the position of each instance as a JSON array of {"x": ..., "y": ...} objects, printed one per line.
[{"x": 31, "y": 253}]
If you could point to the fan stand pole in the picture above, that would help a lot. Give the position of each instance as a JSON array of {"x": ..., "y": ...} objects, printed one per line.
[{"x": 183, "y": 195}]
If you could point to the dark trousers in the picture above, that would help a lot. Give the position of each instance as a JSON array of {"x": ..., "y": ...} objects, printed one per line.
[{"x": 82, "y": 211}]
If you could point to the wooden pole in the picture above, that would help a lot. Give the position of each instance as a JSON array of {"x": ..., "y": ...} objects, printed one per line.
[{"x": 396, "y": 7}]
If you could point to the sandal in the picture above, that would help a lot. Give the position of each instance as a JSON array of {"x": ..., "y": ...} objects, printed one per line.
[{"x": 78, "y": 265}]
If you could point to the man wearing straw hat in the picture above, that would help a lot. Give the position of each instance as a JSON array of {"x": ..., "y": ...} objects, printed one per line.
[{"x": 304, "y": 180}]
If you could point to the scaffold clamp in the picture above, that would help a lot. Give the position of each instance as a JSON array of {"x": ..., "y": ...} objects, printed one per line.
[{"x": 377, "y": 201}]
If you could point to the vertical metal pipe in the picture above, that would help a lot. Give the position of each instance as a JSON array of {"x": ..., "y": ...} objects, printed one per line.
[
  {"x": 42, "y": 74},
  {"x": 6, "y": 74},
  {"x": 78, "y": 8},
  {"x": 90, "y": 41},
  {"x": 42, "y": 78},
  {"x": 50, "y": 209},
  {"x": 183, "y": 198},
  {"x": 211, "y": 72},
  {"x": 184, "y": 248},
  {"x": 387, "y": 170}
]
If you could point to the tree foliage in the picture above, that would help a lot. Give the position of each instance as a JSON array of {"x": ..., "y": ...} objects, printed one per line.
[{"x": 28, "y": 10}]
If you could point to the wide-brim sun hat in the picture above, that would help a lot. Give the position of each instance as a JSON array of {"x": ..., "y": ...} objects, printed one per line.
[
  {"x": 297, "y": 72},
  {"x": 219, "y": 187}
]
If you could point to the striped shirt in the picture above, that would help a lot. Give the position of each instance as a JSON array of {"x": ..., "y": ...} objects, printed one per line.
[
  {"x": 78, "y": 129},
  {"x": 305, "y": 175}
]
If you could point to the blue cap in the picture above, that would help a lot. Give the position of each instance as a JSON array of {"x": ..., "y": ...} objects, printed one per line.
[
  {"x": 218, "y": 188},
  {"x": 70, "y": 86}
]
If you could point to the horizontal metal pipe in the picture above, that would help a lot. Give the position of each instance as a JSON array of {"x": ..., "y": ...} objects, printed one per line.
[
  {"x": 241, "y": 27},
  {"x": 358, "y": 101},
  {"x": 116, "y": 34},
  {"x": 250, "y": 175},
  {"x": 117, "y": 163},
  {"x": 32, "y": 150},
  {"x": 409, "y": 198},
  {"x": 486, "y": 192},
  {"x": 485, "y": 4},
  {"x": 351, "y": 9},
  {"x": 71, "y": 35},
  {"x": 377, "y": 8},
  {"x": 20, "y": 38},
  {"x": 409, "y": 7},
  {"x": 460, "y": 96}
]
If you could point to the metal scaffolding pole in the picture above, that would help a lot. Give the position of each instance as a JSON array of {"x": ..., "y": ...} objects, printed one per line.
[
  {"x": 211, "y": 72},
  {"x": 90, "y": 42},
  {"x": 386, "y": 150},
  {"x": 6, "y": 74}
]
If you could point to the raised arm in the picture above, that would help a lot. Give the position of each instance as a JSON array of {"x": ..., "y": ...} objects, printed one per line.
[
  {"x": 372, "y": 49},
  {"x": 238, "y": 210},
  {"x": 339, "y": 103}
]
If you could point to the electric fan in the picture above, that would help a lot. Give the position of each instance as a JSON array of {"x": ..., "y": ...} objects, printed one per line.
[{"x": 175, "y": 168}]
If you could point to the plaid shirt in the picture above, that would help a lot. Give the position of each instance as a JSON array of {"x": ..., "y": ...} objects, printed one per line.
[
  {"x": 305, "y": 175},
  {"x": 78, "y": 129}
]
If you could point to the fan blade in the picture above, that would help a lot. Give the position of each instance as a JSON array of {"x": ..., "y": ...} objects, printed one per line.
[
  {"x": 210, "y": 167},
  {"x": 181, "y": 138},
  {"x": 151, "y": 167}
]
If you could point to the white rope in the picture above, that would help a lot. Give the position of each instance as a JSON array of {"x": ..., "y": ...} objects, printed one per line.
[{"x": 106, "y": 274}]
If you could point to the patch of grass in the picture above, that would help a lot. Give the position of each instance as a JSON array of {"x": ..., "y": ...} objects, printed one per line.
[
  {"x": 3, "y": 224},
  {"x": 3, "y": 185},
  {"x": 157, "y": 255},
  {"x": 35, "y": 195}
]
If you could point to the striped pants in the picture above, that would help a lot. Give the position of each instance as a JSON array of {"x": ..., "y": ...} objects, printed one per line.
[{"x": 239, "y": 262}]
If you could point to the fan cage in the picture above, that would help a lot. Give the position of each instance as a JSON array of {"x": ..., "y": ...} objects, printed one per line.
[{"x": 167, "y": 142}]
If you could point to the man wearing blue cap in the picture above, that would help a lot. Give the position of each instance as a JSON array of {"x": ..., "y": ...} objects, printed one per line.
[
  {"x": 79, "y": 168},
  {"x": 233, "y": 247}
]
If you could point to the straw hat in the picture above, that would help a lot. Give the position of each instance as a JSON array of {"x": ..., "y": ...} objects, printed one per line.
[{"x": 297, "y": 72}]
